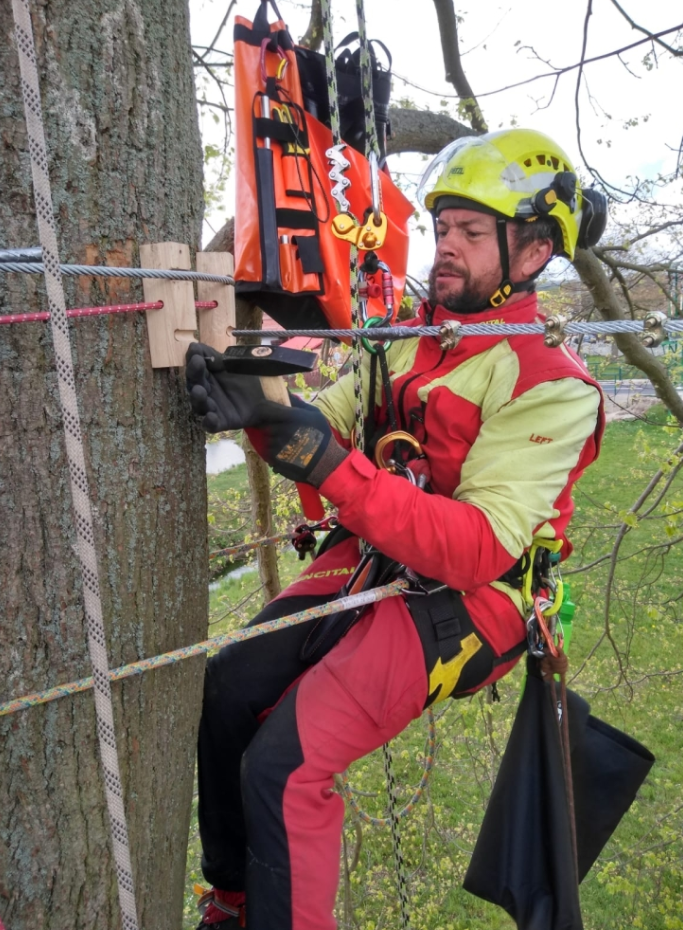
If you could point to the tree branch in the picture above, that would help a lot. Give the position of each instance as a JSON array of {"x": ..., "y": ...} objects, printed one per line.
[
  {"x": 672, "y": 51},
  {"x": 210, "y": 47},
  {"x": 595, "y": 278},
  {"x": 581, "y": 64},
  {"x": 313, "y": 37},
  {"x": 455, "y": 75},
  {"x": 422, "y": 131}
]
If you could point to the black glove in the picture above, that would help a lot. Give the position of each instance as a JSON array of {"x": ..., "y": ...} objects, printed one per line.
[{"x": 292, "y": 440}]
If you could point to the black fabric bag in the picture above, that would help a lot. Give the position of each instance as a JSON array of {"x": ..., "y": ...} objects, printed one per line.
[
  {"x": 313, "y": 79},
  {"x": 522, "y": 860}
]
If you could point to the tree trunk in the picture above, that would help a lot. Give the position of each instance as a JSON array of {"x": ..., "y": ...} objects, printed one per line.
[{"x": 125, "y": 164}]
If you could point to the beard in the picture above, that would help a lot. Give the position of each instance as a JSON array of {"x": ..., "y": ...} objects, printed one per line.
[{"x": 472, "y": 297}]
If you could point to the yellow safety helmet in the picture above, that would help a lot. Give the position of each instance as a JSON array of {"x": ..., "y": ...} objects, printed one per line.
[{"x": 516, "y": 174}]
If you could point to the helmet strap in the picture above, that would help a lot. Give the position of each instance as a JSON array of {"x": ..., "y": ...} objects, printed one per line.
[{"x": 506, "y": 288}]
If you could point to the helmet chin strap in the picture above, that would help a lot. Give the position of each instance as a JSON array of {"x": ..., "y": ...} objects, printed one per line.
[{"x": 507, "y": 288}]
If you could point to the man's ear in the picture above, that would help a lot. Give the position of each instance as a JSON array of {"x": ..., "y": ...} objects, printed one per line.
[{"x": 533, "y": 257}]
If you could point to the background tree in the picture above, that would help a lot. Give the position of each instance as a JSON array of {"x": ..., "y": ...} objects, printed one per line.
[{"x": 125, "y": 165}]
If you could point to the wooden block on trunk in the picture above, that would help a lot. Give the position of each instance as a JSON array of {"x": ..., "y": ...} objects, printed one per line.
[
  {"x": 216, "y": 326},
  {"x": 172, "y": 328}
]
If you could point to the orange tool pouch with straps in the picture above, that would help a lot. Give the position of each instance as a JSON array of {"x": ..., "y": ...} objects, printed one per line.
[{"x": 287, "y": 258}]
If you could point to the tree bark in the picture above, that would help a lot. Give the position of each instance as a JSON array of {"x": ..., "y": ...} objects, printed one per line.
[
  {"x": 125, "y": 165},
  {"x": 422, "y": 131},
  {"x": 594, "y": 277},
  {"x": 313, "y": 37}
]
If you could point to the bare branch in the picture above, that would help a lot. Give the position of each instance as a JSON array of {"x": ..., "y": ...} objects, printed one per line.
[
  {"x": 220, "y": 30},
  {"x": 649, "y": 271},
  {"x": 670, "y": 49},
  {"x": 594, "y": 277},
  {"x": 580, "y": 64},
  {"x": 644, "y": 235},
  {"x": 455, "y": 75}
]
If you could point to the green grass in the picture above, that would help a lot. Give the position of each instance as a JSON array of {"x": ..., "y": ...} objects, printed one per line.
[{"x": 638, "y": 879}]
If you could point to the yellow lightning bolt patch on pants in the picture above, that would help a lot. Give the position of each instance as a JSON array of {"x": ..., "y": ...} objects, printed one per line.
[{"x": 445, "y": 675}]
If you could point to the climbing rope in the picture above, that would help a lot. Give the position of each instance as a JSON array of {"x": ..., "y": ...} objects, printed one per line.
[
  {"x": 50, "y": 267},
  {"x": 351, "y": 602}
]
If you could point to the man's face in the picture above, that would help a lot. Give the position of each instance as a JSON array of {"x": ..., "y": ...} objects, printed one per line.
[{"x": 466, "y": 269}]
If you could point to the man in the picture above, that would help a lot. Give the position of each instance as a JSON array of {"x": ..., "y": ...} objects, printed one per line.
[{"x": 502, "y": 427}]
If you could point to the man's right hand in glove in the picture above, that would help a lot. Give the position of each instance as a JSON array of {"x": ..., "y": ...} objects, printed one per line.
[{"x": 295, "y": 441}]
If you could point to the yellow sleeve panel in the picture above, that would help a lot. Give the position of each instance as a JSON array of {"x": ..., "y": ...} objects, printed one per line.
[
  {"x": 338, "y": 402},
  {"x": 523, "y": 456}
]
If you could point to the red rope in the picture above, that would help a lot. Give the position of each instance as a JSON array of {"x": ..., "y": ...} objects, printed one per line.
[{"x": 98, "y": 311}]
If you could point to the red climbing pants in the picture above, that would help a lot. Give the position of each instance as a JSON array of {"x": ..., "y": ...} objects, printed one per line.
[{"x": 275, "y": 730}]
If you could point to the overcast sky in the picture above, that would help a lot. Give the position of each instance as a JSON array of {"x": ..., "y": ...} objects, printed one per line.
[{"x": 493, "y": 35}]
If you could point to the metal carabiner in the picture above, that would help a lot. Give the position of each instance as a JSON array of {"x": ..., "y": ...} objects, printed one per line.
[
  {"x": 397, "y": 436},
  {"x": 541, "y": 605},
  {"x": 281, "y": 65},
  {"x": 368, "y": 324}
]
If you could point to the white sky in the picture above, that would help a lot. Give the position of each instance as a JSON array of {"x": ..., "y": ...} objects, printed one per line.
[{"x": 493, "y": 35}]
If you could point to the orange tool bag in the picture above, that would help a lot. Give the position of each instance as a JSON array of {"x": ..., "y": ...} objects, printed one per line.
[{"x": 287, "y": 257}]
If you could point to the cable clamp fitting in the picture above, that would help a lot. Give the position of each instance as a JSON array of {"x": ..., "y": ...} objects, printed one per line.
[
  {"x": 555, "y": 330},
  {"x": 653, "y": 333},
  {"x": 449, "y": 334}
]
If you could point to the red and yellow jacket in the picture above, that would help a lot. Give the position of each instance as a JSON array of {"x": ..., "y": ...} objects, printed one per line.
[{"x": 507, "y": 426}]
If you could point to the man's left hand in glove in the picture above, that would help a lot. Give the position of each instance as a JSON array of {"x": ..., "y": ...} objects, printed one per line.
[{"x": 295, "y": 441}]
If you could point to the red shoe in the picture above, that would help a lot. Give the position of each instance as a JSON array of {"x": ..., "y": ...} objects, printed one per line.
[{"x": 222, "y": 910}]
